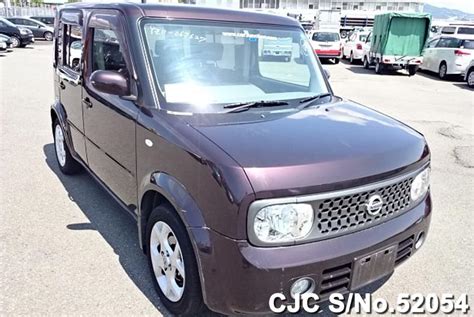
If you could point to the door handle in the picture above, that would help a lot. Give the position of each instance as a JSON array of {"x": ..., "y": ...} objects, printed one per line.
[
  {"x": 87, "y": 102},
  {"x": 62, "y": 86}
]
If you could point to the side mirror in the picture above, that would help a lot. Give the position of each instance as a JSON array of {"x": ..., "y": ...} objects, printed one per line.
[
  {"x": 327, "y": 73},
  {"x": 110, "y": 82}
]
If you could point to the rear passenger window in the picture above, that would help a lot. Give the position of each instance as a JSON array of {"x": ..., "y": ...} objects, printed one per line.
[
  {"x": 71, "y": 46},
  {"x": 466, "y": 30},
  {"x": 449, "y": 43},
  {"x": 107, "y": 51}
]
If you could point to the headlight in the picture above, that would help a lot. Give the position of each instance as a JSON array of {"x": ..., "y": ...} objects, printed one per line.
[
  {"x": 420, "y": 185},
  {"x": 283, "y": 223},
  {"x": 24, "y": 31}
]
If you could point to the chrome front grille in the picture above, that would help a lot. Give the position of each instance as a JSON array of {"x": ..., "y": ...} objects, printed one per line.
[{"x": 344, "y": 214}]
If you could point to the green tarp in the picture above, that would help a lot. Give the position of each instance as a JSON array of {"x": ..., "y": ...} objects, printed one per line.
[{"x": 400, "y": 34}]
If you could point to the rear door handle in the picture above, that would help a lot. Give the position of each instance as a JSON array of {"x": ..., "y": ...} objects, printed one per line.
[
  {"x": 62, "y": 86},
  {"x": 87, "y": 102}
]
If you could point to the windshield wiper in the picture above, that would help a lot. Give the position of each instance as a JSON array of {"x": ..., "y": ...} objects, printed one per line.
[
  {"x": 243, "y": 106},
  {"x": 307, "y": 102}
]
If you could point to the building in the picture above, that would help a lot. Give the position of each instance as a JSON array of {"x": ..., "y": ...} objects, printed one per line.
[
  {"x": 360, "y": 5},
  {"x": 322, "y": 12}
]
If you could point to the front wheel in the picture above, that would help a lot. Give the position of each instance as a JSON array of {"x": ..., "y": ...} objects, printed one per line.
[
  {"x": 378, "y": 67},
  {"x": 173, "y": 263},
  {"x": 336, "y": 61},
  {"x": 16, "y": 42},
  {"x": 443, "y": 71},
  {"x": 470, "y": 78},
  {"x": 351, "y": 58},
  {"x": 412, "y": 70},
  {"x": 67, "y": 164},
  {"x": 366, "y": 63}
]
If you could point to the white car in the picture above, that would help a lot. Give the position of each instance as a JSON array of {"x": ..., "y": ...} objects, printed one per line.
[
  {"x": 354, "y": 46},
  {"x": 327, "y": 44},
  {"x": 469, "y": 74},
  {"x": 448, "y": 55}
]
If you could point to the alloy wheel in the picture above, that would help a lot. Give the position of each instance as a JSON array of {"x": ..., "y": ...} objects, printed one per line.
[
  {"x": 59, "y": 144},
  {"x": 48, "y": 36},
  {"x": 167, "y": 261},
  {"x": 470, "y": 79},
  {"x": 443, "y": 70},
  {"x": 15, "y": 41}
]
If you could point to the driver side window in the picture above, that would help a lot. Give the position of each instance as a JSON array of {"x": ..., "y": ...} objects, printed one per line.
[{"x": 107, "y": 51}]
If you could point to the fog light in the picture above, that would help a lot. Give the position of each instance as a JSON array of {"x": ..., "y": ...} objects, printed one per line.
[
  {"x": 420, "y": 240},
  {"x": 301, "y": 286}
]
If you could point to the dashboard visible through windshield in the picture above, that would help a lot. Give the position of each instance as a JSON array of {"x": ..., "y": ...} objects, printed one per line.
[{"x": 201, "y": 67}]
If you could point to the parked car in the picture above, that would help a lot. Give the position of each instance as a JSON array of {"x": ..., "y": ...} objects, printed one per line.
[
  {"x": 48, "y": 20},
  {"x": 20, "y": 36},
  {"x": 39, "y": 29},
  {"x": 327, "y": 44},
  {"x": 7, "y": 40},
  {"x": 245, "y": 177},
  {"x": 448, "y": 55},
  {"x": 353, "y": 48},
  {"x": 469, "y": 74},
  {"x": 277, "y": 48},
  {"x": 397, "y": 41}
]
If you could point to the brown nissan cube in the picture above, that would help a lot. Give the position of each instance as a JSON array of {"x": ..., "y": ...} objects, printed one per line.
[{"x": 246, "y": 175}]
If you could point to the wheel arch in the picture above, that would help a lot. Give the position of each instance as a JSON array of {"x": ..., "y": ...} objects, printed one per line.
[
  {"x": 161, "y": 188},
  {"x": 57, "y": 112}
]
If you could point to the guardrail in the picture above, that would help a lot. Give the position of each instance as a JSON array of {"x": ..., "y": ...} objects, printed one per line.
[{"x": 26, "y": 11}]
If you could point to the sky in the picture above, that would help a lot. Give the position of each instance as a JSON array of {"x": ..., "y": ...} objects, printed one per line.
[{"x": 463, "y": 5}]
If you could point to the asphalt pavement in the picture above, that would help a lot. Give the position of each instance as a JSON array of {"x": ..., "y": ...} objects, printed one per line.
[{"x": 66, "y": 248}]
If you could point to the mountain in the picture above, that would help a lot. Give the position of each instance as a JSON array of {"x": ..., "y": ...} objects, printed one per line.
[{"x": 445, "y": 13}]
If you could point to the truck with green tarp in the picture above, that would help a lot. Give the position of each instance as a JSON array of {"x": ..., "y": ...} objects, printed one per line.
[{"x": 397, "y": 41}]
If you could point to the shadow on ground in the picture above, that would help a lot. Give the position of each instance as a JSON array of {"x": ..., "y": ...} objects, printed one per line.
[
  {"x": 434, "y": 76},
  {"x": 114, "y": 225},
  {"x": 120, "y": 231}
]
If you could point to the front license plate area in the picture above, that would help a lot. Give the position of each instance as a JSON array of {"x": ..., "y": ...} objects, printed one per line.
[{"x": 371, "y": 267}]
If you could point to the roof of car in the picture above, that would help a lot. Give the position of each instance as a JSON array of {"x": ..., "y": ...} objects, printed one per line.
[{"x": 190, "y": 12}]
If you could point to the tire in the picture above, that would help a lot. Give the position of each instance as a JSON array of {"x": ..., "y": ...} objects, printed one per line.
[
  {"x": 378, "y": 67},
  {"x": 470, "y": 78},
  {"x": 187, "y": 298},
  {"x": 67, "y": 164},
  {"x": 336, "y": 61},
  {"x": 366, "y": 63},
  {"x": 412, "y": 70},
  {"x": 351, "y": 58},
  {"x": 16, "y": 42},
  {"x": 443, "y": 71},
  {"x": 48, "y": 36}
]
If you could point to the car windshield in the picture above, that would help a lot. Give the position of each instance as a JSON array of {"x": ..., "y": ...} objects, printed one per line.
[
  {"x": 326, "y": 37},
  {"x": 5, "y": 21},
  {"x": 201, "y": 67}
]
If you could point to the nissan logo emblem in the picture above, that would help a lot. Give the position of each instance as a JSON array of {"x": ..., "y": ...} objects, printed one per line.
[{"x": 374, "y": 205}]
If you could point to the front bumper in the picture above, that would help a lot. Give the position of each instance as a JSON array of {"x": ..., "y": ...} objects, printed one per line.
[
  {"x": 27, "y": 39},
  {"x": 239, "y": 278}
]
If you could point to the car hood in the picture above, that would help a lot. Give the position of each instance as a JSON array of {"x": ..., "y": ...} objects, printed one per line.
[{"x": 318, "y": 148}]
